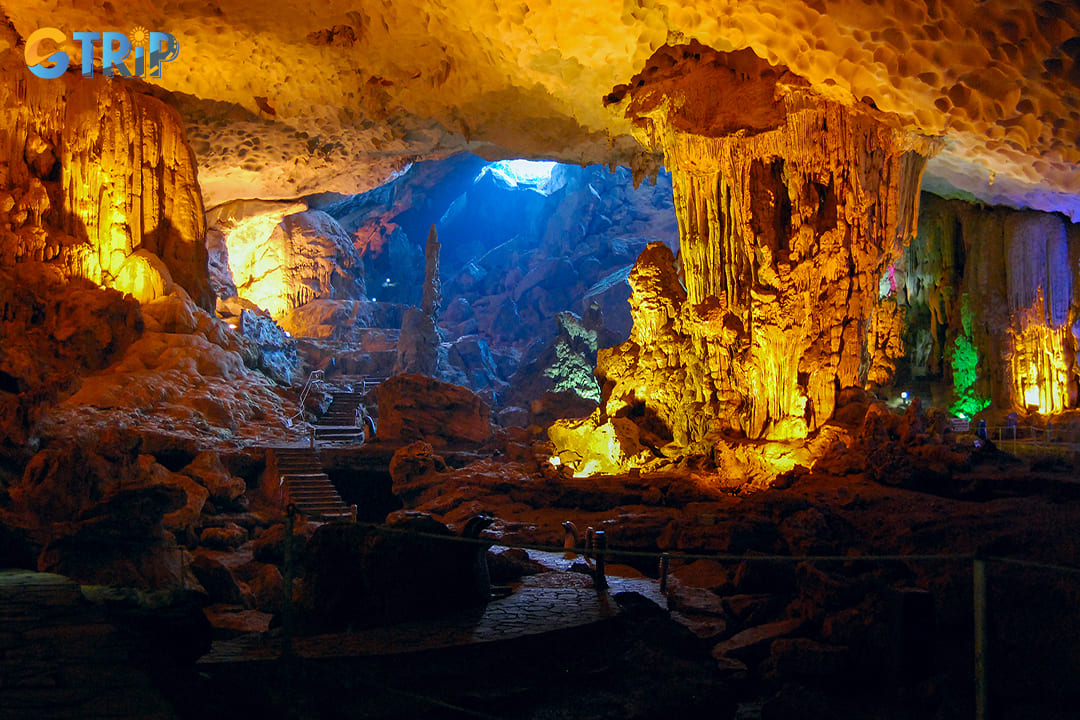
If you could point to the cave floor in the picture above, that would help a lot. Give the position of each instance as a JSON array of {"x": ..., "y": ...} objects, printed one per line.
[{"x": 559, "y": 599}]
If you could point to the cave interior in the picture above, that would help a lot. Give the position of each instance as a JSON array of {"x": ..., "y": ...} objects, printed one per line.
[{"x": 592, "y": 360}]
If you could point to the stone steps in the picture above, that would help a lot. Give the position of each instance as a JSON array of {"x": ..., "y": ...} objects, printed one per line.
[
  {"x": 307, "y": 487},
  {"x": 340, "y": 424}
]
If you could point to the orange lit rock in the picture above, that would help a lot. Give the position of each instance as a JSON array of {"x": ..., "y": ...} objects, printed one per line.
[
  {"x": 125, "y": 209},
  {"x": 186, "y": 375},
  {"x": 390, "y": 82},
  {"x": 281, "y": 256},
  {"x": 417, "y": 407},
  {"x": 414, "y": 470},
  {"x": 206, "y": 469},
  {"x": 786, "y": 224},
  {"x": 593, "y": 446}
]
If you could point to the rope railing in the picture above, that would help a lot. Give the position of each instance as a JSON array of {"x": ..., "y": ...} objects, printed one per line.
[{"x": 600, "y": 553}]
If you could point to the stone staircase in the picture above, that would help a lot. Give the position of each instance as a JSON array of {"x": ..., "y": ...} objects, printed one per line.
[
  {"x": 339, "y": 423},
  {"x": 305, "y": 485}
]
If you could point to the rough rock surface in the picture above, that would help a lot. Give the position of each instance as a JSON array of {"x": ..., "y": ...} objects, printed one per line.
[
  {"x": 415, "y": 79},
  {"x": 567, "y": 364},
  {"x": 98, "y": 180},
  {"x": 280, "y": 256},
  {"x": 784, "y": 234},
  {"x": 413, "y": 469},
  {"x": 187, "y": 371},
  {"x": 415, "y": 407},
  {"x": 987, "y": 295},
  {"x": 54, "y": 330}
]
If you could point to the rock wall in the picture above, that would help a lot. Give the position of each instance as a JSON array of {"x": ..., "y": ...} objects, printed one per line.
[
  {"x": 790, "y": 209},
  {"x": 417, "y": 407},
  {"x": 992, "y": 292},
  {"x": 97, "y": 178},
  {"x": 281, "y": 256}
]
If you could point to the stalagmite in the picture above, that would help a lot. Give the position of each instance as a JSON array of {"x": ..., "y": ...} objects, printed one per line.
[
  {"x": 989, "y": 293},
  {"x": 418, "y": 343},
  {"x": 791, "y": 207}
]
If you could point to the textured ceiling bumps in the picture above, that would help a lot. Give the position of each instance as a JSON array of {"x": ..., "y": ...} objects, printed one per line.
[{"x": 289, "y": 97}]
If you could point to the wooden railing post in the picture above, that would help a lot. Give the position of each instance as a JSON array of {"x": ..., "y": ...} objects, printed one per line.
[
  {"x": 600, "y": 538},
  {"x": 982, "y": 688}
]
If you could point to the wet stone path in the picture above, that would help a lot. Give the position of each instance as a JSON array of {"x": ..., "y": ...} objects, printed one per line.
[{"x": 542, "y": 603}]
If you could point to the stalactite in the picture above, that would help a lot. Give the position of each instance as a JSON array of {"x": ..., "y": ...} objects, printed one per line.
[
  {"x": 98, "y": 173},
  {"x": 786, "y": 226},
  {"x": 997, "y": 287},
  {"x": 1041, "y": 361}
]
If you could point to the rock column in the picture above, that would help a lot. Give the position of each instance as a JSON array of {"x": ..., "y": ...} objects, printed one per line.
[{"x": 791, "y": 207}]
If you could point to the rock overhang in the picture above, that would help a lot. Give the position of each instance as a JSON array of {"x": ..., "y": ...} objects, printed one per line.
[{"x": 290, "y": 98}]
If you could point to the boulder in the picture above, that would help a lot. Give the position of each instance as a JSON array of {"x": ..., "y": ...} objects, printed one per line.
[
  {"x": 513, "y": 417},
  {"x": 206, "y": 469},
  {"x": 186, "y": 517},
  {"x": 413, "y": 469},
  {"x": 707, "y": 574},
  {"x": 471, "y": 356},
  {"x": 412, "y": 568},
  {"x": 218, "y": 580},
  {"x": 595, "y": 446},
  {"x": 511, "y": 564},
  {"x": 120, "y": 541},
  {"x": 754, "y": 642},
  {"x": 415, "y": 407},
  {"x": 266, "y": 584},
  {"x": 229, "y": 537}
]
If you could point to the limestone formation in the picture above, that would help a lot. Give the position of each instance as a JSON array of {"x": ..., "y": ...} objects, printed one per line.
[
  {"x": 989, "y": 298},
  {"x": 98, "y": 179},
  {"x": 416, "y": 78},
  {"x": 567, "y": 364},
  {"x": 416, "y": 407},
  {"x": 418, "y": 343},
  {"x": 431, "y": 303},
  {"x": 281, "y": 256},
  {"x": 791, "y": 207}
]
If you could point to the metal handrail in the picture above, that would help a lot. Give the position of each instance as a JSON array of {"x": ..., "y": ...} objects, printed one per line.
[
  {"x": 1069, "y": 435},
  {"x": 315, "y": 378}
]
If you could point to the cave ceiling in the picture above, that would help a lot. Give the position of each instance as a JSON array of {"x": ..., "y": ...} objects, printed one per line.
[{"x": 287, "y": 98}]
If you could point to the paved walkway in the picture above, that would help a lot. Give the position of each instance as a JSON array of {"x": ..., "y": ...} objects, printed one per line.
[{"x": 542, "y": 603}]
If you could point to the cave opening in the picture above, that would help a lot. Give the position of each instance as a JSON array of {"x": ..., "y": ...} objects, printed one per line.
[{"x": 532, "y": 262}]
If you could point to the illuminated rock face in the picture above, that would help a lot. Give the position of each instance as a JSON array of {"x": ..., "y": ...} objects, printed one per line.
[
  {"x": 356, "y": 90},
  {"x": 281, "y": 256},
  {"x": 989, "y": 295},
  {"x": 97, "y": 178},
  {"x": 790, "y": 209}
]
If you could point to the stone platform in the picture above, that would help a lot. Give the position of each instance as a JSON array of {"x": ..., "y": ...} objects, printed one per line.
[{"x": 543, "y": 603}]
